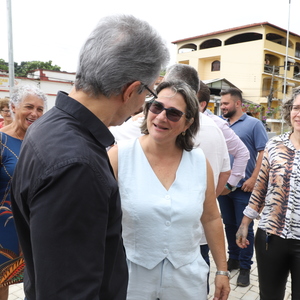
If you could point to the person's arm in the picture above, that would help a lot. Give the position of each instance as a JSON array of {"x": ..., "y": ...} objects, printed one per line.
[
  {"x": 240, "y": 153},
  {"x": 113, "y": 158},
  {"x": 213, "y": 228},
  {"x": 223, "y": 178},
  {"x": 256, "y": 202},
  {"x": 248, "y": 185}
]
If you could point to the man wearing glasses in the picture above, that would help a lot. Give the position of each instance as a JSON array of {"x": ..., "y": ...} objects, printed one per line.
[{"x": 65, "y": 197}]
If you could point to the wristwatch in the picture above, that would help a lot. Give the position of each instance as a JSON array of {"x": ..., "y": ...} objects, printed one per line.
[
  {"x": 230, "y": 187},
  {"x": 226, "y": 273}
]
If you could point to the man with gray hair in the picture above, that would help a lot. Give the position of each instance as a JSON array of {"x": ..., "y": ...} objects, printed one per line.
[{"x": 65, "y": 197}]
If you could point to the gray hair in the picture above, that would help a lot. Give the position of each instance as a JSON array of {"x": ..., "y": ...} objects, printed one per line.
[
  {"x": 186, "y": 141},
  {"x": 19, "y": 92},
  {"x": 287, "y": 105},
  {"x": 121, "y": 49},
  {"x": 185, "y": 73}
]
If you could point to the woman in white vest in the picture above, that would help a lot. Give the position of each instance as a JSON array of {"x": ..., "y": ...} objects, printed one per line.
[{"x": 167, "y": 190}]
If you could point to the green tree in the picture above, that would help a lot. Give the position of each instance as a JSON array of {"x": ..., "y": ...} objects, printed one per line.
[
  {"x": 24, "y": 67},
  {"x": 3, "y": 65}
]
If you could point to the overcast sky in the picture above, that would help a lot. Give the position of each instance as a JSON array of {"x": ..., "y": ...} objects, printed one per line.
[{"x": 55, "y": 30}]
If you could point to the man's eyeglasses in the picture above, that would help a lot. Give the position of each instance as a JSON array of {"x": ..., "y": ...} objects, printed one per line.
[
  {"x": 151, "y": 93},
  {"x": 295, "y": 108},
  {"x": 172, "y": 114},
  {"x": 6, "y": 111}
]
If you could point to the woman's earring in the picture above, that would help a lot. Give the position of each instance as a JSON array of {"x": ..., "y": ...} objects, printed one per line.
[{"x": 183, "y": 133}]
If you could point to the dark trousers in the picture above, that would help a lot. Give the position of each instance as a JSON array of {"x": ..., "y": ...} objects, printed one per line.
[
  {"x": 204, "y": 249},
  {"x": 274, "y": 263},
  {"x": 232, "y": 207}
]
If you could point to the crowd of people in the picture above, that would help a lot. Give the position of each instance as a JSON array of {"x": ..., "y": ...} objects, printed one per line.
[{"x": 122, "y": 188}]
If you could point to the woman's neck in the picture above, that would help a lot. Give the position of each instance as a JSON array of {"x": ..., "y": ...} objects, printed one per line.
[
  {"x": 14, "y": 130},
  {"x": 7, "y": 122},
  {"x": 159, "y": 149},
  {"x": 295, "y": 139}
]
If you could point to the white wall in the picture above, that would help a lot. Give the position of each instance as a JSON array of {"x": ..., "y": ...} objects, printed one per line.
[{"x": 63, "y": 82}]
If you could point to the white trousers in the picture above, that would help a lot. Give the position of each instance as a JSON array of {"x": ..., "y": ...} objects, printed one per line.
[{"x": 164, "y": 282}]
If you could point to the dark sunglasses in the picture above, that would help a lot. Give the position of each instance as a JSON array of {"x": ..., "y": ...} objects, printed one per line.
[{"x": 172, "y": 114}]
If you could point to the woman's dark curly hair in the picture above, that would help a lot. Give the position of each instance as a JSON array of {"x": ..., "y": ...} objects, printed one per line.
[
  {"x": 287, "y": 106},
  {"x": 186, "y": 141}
]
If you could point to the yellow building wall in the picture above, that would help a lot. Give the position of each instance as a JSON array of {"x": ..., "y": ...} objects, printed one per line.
[{"x": 242, "y": 63}]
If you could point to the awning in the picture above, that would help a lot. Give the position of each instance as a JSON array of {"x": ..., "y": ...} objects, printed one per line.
[{"x": 219, "y": 84}]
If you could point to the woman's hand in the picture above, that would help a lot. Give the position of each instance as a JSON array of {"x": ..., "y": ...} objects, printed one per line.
[
  {"x": 241, "y": 236},
  {"x": 222, "y": 287}
]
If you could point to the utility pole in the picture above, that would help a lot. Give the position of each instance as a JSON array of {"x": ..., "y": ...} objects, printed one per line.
[
  {"x": 270, "y": 97},
  {"x": 11, "y": 69},
  {"x": 286, "y": 60}
]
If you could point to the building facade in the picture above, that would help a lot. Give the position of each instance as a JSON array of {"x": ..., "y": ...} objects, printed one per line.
[
  {"x": 251, "y": 58},
  {"x": 50, "y": 82}
]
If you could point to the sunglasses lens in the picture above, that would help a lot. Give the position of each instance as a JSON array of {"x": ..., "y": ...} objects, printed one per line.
[
  {"x": 174, "y": 115},
  {"x": 156, "y": 107}
]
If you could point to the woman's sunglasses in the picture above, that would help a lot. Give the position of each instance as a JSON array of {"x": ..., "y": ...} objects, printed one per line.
[{"x": 172, "y": 114}]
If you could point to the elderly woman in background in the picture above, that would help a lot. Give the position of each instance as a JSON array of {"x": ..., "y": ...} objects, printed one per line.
[
  {"x": 167, "y": 190},
  {"x": 27, "y": 104},
  {"x": 5, "y": 112},
  {"x": 276, "y": 198}
]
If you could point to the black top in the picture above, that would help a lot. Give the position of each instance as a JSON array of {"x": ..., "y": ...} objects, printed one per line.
[{"x": 67, "y": 208}]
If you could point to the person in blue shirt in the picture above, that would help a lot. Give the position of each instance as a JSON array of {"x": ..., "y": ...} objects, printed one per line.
[{"x": 253, "y": 134}]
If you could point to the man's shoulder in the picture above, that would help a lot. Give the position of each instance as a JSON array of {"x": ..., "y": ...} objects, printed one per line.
[
  {"x": 248, "y": 122},
  {"x": 209, "y": 133},
  {"x": 218, "y": 120},
  {"x": 206, "y": 121},
  {"x": 55, "y": 138},
  {"x": 54, "y": 124}
]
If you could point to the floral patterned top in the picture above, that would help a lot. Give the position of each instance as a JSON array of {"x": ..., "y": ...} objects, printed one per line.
[
  {"x": 11, "y": 260},
  {"x": 276, "y": 194}
]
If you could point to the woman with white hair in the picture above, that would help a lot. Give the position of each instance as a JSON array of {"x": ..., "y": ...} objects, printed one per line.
[{"x": 27, "y": 104}]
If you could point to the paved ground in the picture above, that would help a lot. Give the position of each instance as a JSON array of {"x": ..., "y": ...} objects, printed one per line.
[
  {"x": 243, "y": 293},
  {"x": 250, "y": 292}
]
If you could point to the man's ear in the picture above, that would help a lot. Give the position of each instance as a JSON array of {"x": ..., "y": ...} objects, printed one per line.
[
  {"x": 202, "y": 105},
  {"x": 130, "y": 90}
]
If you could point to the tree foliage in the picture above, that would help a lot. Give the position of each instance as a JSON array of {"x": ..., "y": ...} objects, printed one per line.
[
  {"x": 3, "y": 65},
  {"x": 22, "y": 69}
]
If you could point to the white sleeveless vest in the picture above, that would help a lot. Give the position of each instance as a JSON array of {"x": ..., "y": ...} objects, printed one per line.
[{"x": 160, "y": 223}]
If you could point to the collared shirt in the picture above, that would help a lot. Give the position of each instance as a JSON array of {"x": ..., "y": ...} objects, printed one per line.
[
  {"x": 277, "y": 190},
  {"x": 211, "y": 140},
  {"x": 128, "y": 130},
  {"x": 235, "y": 147},
  {"x": 67, "y": 208},
  {"x": 253, "y": 134}
]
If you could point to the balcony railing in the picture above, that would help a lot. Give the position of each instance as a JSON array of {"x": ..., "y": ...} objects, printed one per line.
[{"x": 269, "y": 69}]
